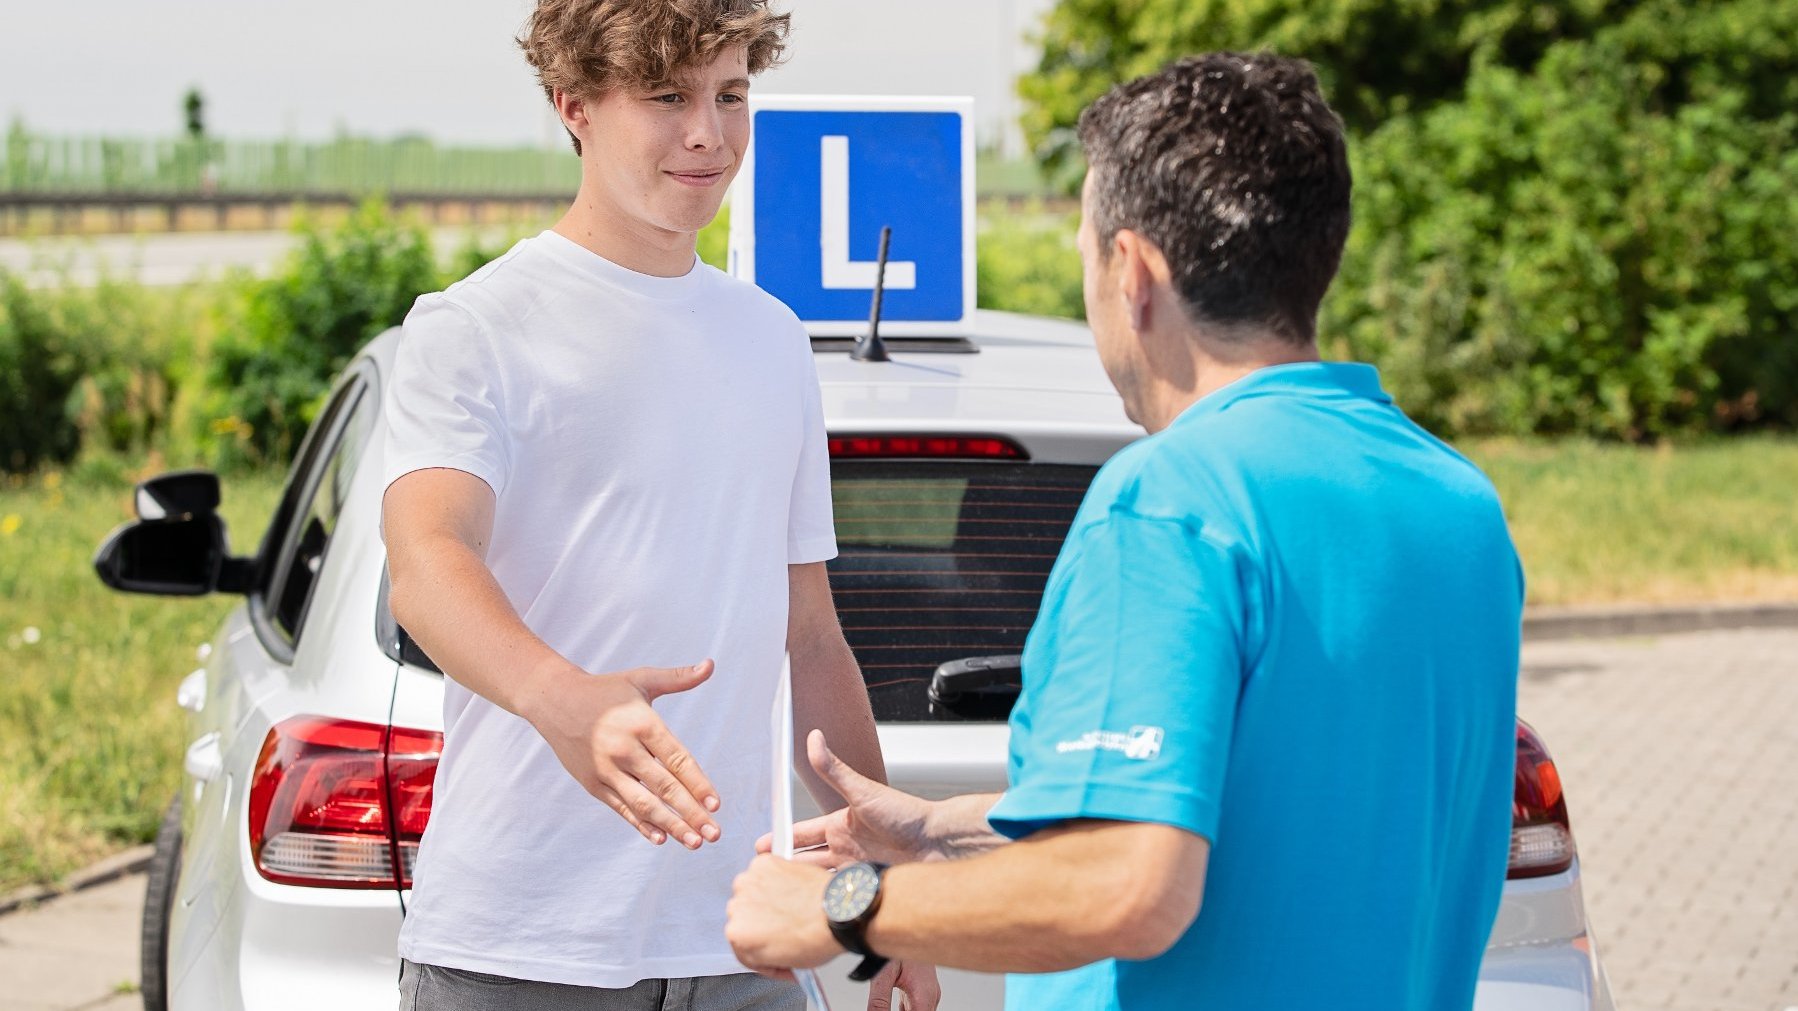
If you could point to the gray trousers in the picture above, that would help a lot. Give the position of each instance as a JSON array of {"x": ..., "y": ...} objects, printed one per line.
[{"x": 436, "y": 988}]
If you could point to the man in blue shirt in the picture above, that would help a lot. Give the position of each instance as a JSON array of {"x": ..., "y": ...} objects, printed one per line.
[{"x": 1263, "y": 754}]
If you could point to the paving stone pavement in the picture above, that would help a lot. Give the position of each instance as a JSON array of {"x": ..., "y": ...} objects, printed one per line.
[
  {"x": 74, "y": 953},
  {"x": 1680, "y": 759},
  {"x": 1679, "y": 756}
]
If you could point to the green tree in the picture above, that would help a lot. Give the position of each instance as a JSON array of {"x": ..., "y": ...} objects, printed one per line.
[
  {"x": 1374, "y": 57},
  {"x": 193, "y": 108}
]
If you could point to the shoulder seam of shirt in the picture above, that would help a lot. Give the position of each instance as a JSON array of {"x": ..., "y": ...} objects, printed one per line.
[
  {"x": 1209, "y": 537},
  {"x": 1202, "y": 531},
  {"x": 484, "y": 334},
  {"x": 486, "y": 272},
  {"x": 479, "y": 276}
]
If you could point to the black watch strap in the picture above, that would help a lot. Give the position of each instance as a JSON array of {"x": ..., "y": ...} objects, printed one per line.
[
  {"x": 849, "y": 935},
  {"x": 869, "y": 968}
]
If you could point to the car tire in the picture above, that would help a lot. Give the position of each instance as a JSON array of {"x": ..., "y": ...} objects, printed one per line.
[{"x": 159, "y": 899}]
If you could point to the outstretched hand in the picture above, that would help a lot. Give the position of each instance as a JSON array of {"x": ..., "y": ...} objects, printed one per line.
[
  {"x": 879, "y": 823},
  {"x": 615, "y": 744}
]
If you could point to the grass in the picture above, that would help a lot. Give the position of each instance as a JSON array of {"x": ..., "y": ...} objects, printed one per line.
[
  {"x": 1605, "y": 523},
  {"x": 90, "y": 738}
]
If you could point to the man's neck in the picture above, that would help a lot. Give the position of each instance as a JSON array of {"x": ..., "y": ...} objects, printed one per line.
[
  {"x": 597, "y": 224},
  {"x": 1212, "y": 370}
]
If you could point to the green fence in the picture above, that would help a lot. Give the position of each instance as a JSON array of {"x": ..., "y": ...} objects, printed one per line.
[{"x": 69, "y": 166}]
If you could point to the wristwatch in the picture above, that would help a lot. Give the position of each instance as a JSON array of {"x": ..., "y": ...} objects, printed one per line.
[{"x": 850, "y": 901}]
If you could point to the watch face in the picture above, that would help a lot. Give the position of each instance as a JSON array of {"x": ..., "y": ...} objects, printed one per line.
[{"x": 850, "y": 893}]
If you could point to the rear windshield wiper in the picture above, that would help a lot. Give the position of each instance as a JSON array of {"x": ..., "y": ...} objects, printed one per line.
[{"x": 982, "y": 687}]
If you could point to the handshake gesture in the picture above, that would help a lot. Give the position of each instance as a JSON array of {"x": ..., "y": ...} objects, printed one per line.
[
  {"x": 607, "y": 735},
  {"x": 775, "y": 911}
]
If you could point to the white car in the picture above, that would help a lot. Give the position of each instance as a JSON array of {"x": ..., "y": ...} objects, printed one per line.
[{"x": 281, "y": 873}]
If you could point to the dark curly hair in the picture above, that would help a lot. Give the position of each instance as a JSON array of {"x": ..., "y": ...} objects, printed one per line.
[{"x": 1236, "y": 168}]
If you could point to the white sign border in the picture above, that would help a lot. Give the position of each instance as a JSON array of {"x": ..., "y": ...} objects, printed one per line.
[{"x": 742, "y": 205}]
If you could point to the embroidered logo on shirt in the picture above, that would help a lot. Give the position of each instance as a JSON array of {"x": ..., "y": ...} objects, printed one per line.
[{"x": 1141, "y": 743}]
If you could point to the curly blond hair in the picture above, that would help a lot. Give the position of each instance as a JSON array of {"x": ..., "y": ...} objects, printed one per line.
[{"x": 588, "y": 47}]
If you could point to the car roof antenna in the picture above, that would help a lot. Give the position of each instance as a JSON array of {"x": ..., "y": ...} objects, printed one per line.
[{"x": 869, "y": 347}]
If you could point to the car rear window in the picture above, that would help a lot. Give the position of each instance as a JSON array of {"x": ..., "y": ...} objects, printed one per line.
[{"x": 942, "y": 561}]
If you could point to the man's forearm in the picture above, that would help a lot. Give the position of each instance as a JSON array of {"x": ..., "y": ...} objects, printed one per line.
[
  {"x": 829, "y": 695},
  {"x": 449, "y": 603},
  {"x": 958, "y": 828},
  {"x": 828, "y": 691},
  {"x": 1061, "y": 899}
]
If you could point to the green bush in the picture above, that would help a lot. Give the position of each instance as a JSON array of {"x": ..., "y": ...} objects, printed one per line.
[
  {"x": 1026, "y": 262},
  {"x": 293, "y": 332},
  {"x": 1569, "y": 218},
  {"x": 1552, "y": 254},
  {"x": 40, "y": 366},
  {"x": 137, "y": 349},
  {"x": 81, "y": 368}
]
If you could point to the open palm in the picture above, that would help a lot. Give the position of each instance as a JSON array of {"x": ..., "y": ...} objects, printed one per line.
[{"x": 880, "y": 823}]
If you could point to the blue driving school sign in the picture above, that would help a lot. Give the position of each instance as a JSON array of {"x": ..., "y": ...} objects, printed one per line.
[{"x": 824, "y": 175}]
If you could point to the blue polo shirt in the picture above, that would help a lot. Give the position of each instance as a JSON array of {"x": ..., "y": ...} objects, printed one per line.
[{"x": 1288, "y": 623}]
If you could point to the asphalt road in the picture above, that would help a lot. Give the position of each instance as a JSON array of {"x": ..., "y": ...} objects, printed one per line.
[
  {"x": 1680, "y": 758},
  {"x": 167, "y": 259}
]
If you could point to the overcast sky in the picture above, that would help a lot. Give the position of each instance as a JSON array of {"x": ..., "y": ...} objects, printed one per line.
[{"x": 444, "y": 68}]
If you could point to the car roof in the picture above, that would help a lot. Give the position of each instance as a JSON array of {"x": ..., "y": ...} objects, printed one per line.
[{"x": 1033, "y": 379}]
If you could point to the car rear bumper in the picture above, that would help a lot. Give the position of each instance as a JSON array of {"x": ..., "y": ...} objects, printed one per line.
[
  {"x": 1541, "y": 956},
  {"x": 286, "y": 948},
  {"x": 1549, "y": 977}
]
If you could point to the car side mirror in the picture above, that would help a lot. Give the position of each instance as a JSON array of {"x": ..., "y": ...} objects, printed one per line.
[
  {"x": 176, "y": 494},
  {"x": 178, "y": 557},
  {"x": 177, "y": 546}
]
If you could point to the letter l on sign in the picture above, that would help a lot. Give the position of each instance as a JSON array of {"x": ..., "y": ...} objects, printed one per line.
[{"x": 839, "y": 270}]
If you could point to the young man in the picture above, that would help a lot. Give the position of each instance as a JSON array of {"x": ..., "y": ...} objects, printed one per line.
[
  {"x": 1275, "y": 664},
  {"x": 609, "y": 489}
]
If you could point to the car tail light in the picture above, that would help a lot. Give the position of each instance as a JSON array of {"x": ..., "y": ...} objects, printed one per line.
[
  {"x": 1541, "y": 836},
  {"x": 340, "y": 804},
  {"x": 411, "y": 773},
  {"x": 929, "y": 447}
]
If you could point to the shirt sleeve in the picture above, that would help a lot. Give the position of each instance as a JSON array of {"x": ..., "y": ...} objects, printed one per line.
[
  {"x": 811, "y": 531},
  {"x": 1131, "y": 679},
  {"x": 444, "y": 406}
]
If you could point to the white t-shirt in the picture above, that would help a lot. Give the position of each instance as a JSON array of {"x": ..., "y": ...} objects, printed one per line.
[{"x": 657, "y": 450}]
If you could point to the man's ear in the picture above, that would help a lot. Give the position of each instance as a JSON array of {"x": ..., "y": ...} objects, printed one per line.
[{"x": 1135, "y": 275}]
